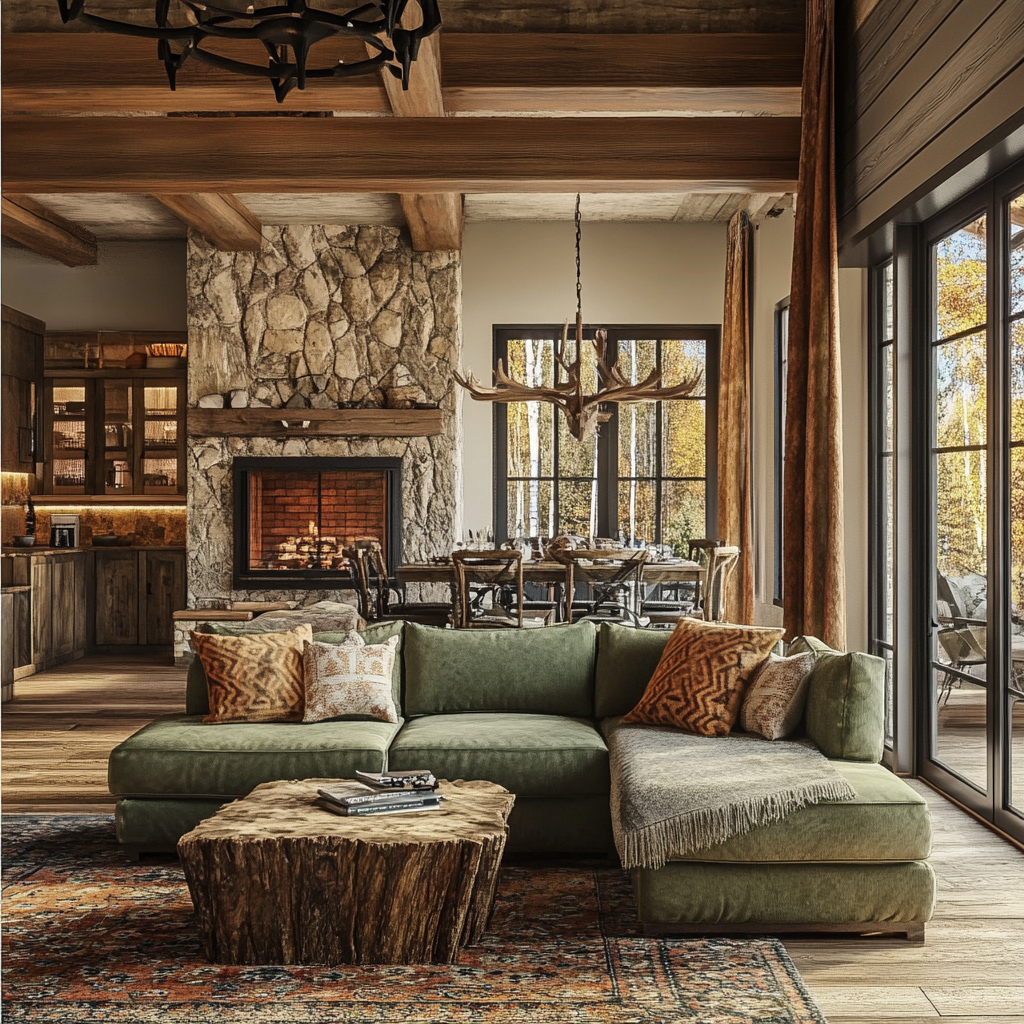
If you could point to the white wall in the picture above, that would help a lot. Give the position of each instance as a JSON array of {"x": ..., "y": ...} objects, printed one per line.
[
  {"x": 135, "y": 286},
  {"x": 773, "y": 257},
  {"x": 853, "y": 326},
  {"x": 773, "y": 253},
  {"x": 525, "y": 273}
]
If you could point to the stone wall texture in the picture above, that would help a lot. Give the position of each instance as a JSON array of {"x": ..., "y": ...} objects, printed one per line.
[{"x": 322, "y": 315}]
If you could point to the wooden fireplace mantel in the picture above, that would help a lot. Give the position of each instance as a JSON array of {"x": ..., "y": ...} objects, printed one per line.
[{"x": 314, "y": 422}]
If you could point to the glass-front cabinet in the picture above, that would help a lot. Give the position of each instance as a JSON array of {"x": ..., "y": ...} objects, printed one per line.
[
  {"x": 68, "y": 436},
  {"x": 162, "y": 442},
  {"x": 114, "y": 434},
  {"x": 118, "y": 435}
]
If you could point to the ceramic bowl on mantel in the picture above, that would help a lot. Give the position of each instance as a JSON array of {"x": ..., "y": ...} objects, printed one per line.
[
  {"x": 104, "y": 540},
  {"x": 24, "y": 541}
]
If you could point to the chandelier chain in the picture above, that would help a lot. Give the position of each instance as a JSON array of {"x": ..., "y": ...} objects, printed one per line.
[{"x": 579, "y": 235}]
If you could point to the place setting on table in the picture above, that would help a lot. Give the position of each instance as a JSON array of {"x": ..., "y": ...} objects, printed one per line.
[{"x": 543, "y": 561}]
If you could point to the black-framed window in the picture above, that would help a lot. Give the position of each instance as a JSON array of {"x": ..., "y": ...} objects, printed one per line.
[
  {"x": 882, "y": 483},
  {"x": 781, "y": 367},
  {"x": 953, "y": 511},
  {"x": 649, "y": 475}
]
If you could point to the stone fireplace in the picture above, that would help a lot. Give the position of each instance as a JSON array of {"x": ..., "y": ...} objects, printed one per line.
[
  {"x": 295, "y": 517},
  {"x": 323, "y": 317}
]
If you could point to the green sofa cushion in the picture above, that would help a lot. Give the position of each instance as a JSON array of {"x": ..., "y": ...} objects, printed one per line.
[
  {"x": 197, "y": 699},
  {"x": 541, "y": 671},
  {"x": 887, "y": 821},
  {"x": 845, "y": 713},
  {"x": 178, "y": 756},
  {"x": 530, "y": 755},
  {"x": 626, "y": 660},
  {"x": 684, "y": 892}
]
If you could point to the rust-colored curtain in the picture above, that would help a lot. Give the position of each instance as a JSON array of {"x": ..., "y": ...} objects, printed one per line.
[
  {"x": 735, "y": 511},
  {"x": 814, "y": 572}
]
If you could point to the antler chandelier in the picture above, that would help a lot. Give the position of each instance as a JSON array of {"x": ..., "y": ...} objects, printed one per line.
[
  {"x": 288, "y": 31},
  {"x": 582, "y": 411}
]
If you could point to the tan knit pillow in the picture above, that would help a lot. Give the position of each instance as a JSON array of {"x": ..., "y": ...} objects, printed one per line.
[
  {"x": 253, "y": 678},
  {"x": 703, "y": 674},
  {"x": 350, "y": 680},
  {"x": 774, "y": 704}
]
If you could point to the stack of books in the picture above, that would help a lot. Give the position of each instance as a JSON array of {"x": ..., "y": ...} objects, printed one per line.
[{"x": 394, "y": 793}]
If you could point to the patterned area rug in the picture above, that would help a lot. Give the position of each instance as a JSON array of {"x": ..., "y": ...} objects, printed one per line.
[{"x": 89, "y": 936}]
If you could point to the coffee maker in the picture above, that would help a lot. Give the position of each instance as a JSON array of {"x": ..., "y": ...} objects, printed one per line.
[{"x": 64, "y": 531}]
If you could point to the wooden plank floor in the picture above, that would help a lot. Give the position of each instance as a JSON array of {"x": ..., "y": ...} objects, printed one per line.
[{"x": 60, "y": 727}]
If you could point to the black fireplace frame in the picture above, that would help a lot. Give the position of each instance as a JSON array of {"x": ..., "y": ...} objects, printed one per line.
[{"x": 313, "y": 579}]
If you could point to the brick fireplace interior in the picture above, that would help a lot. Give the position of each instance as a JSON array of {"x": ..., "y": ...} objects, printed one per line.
[{"x": 294, "y": 517}]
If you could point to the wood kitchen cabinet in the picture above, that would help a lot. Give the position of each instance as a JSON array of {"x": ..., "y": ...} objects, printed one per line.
[
  {"x": 137, "y": 590},
  {"x": 59, "y": 608},
  {"x": 21, "y": 357},
  {"x": 117, "y": 597},
  {"x": 116, "y": 432}
]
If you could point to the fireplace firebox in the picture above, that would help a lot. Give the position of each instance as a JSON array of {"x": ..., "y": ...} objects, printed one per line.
[{"x": 293, "y": 517}]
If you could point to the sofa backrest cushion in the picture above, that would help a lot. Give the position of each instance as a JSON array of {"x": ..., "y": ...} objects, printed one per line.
[
  {"x": 845, "y": 713},
  {"x": 535, "y": 671},
  {"x": 197, "y": 697},
  {"x": 626, "y": 660}
]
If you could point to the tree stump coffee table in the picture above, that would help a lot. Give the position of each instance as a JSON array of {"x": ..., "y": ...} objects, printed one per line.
[{"x": 276, "y": 879}]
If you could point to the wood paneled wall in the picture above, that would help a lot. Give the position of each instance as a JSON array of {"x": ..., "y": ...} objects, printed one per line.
[{"x": 923, "y": 86}]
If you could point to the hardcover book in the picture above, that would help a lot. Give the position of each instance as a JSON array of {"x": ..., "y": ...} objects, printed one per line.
[{"x": 367, "y": 810}]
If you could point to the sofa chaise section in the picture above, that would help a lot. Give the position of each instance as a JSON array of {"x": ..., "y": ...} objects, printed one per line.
[
  {"x": 834, "y": 866},
  {"x": 856, "y": 866}
]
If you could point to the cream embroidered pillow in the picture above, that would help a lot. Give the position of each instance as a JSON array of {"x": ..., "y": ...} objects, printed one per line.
[
  {"x": 350, "y": 680},
  {"x": 774, "y": 704}
]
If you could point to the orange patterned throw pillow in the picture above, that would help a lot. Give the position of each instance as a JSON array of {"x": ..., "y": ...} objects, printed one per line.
[
  {"x": 254, "y": 678},
  {"x": 704, "y": 671}
]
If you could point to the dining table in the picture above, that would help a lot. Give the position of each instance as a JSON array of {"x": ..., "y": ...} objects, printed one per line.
[{"x": 549, "y": 571}]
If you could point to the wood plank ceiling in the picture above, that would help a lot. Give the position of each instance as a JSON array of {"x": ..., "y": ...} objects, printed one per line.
[{"x": 674, "y": 110}]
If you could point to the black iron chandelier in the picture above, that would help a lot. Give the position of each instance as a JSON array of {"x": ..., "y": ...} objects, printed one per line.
[{"x": 288, "y": 31}]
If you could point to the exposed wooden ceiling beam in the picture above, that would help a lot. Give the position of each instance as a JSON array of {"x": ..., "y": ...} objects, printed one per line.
[
  {"x": 739, "y": 74},
  {"x": 521, "y": 16},
  {"x": 587, "y": 60},
  {"x": 589, "y": 154},
  {"x": 47, "y": 233},
  {"x": 423, "y": 97},
  {"x": 224, "y": 221},
  {"x": 435, "y": 218}
]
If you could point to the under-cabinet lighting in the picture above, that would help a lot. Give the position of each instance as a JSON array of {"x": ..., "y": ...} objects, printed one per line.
[{"x": 110, "y": 509}]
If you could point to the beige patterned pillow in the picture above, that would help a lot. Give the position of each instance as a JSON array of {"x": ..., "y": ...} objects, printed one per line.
[
  {"x": 774, "y": 704},
  {"x": 253, "y": 678},
  {"x": 350, "y": 680}
]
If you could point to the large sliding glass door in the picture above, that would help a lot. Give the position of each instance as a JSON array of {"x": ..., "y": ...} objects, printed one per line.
[{"x": 973, "y": 746}]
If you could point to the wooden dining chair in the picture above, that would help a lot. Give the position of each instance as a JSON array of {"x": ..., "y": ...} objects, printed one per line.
[
  {"x": 497, "y": 574},
  {"x": 378, "y": 600},
  {"x": 614, "y": 579},
  {"x": 717, "y": 575}
]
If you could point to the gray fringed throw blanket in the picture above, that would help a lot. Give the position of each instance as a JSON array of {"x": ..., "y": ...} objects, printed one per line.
[{"x": 674, "y": 793}]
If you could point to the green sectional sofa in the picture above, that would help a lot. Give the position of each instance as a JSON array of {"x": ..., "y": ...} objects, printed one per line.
[{"x": 530, "y": 710}]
